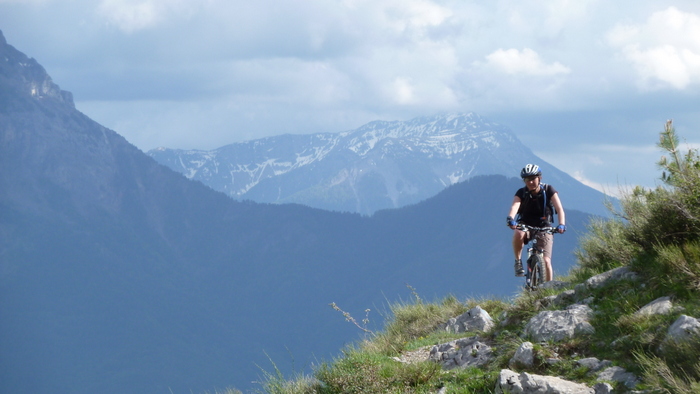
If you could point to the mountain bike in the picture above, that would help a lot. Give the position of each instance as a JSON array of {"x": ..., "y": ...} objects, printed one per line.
[{"x": 535, "y": 275}]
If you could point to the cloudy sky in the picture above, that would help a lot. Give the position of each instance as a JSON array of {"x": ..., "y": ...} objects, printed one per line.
[{"x": 586, "y": 84}]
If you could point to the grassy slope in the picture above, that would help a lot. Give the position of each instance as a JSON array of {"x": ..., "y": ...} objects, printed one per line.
[{"x": 656, "y": 233}]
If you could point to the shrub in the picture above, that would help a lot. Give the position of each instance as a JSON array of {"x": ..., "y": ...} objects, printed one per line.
[{"x": 648, "y": 220}]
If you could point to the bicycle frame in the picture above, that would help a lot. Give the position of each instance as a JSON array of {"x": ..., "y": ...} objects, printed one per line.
[{"x": 535, "y": 256}]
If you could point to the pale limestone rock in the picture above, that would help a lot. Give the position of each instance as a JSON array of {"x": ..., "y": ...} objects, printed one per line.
[
  {"x": 462, "y": 353},
  {"x": 560, "y": 325},
  {"x": 659, "y": 306},
  {"x": 510, "y": 382},
  {"x": 524, "y": 357},
  {"x": 476, "y": 319},
  {"x": 619, "y": 374}
]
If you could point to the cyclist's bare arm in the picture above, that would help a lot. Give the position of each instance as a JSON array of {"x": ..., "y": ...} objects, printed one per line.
[
  {"x": 514, "y": 209},
  {"x": 561, "y": 215}
]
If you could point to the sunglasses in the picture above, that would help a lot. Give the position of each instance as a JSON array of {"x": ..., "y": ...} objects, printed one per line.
[{"x": 530, "y": 178}]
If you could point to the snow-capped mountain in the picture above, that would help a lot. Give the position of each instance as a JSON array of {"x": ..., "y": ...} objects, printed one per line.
[{"x": 379, "y": 165}]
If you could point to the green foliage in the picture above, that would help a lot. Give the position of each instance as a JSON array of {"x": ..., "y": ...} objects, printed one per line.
[
  {"x": 649, "y": 219},
  {"x": 467, "y": 381},
  {"x": 411, "y": 321},
  {"x": 278, "y": 384},
  {"x": 618, "y": 329},
  {"x": 662, "y": 378},
  {"x": 604, "y": 247},
  {"x": 365, "y": 372},
  {"x": 227, "y": 391},
  {"x": 675, "y": 212},
  {"x": 674, "y": 268}
]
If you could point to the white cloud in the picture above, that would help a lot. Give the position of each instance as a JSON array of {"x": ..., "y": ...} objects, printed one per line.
[
  {"x": 133, "y": 15},
  {"x": 545, "y": 19},
  {"x": 608, "y": 168},
  {"x": 525, "y": 62},
  {"x": 33, "y": 2},
  {"x": 603, "y": 188},
  {"x": 665, "y": 50},
  {"x": 403, "y": 91},
  {"x": 400, "y": 15}
]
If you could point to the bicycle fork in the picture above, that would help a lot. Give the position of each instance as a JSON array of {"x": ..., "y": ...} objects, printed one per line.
[{"x": 531, "y": 251}]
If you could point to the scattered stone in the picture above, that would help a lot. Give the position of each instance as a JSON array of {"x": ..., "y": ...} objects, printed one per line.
[
  {"x": 565, "y": 298},
  {"x": 683, "y": 329},
  {"x": 593, "y": 364},
  {"x": 524, "y": 357},
  {"x": 462, "y": 353},
  {"x": 476, "y": 319},
  {"x": 619, "y": 374},
  {"x": 615, "y": 274},
  {"x": 603, "y": 388},
  {"x": 525, "y": 383},
  {"x": 659, "y": 306},
  {"x": 560, "y": 325}
]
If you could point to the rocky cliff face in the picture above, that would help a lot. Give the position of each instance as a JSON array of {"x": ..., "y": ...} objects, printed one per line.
[
  {"x": 33, "y": 80},
  {"x": 40, "y": 128}
]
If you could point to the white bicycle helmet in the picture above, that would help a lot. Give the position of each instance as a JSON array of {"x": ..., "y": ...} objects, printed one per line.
[{"x": 530, "y": 170}]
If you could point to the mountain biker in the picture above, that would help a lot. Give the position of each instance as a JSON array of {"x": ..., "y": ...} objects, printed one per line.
[{"x": 535, "y": 205}]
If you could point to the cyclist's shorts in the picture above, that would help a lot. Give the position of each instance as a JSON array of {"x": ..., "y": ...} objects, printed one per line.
[{"x": 546, "y": 241}]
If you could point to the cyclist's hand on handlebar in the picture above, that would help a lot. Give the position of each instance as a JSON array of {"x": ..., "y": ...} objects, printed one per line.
[
  {"x": 561, "y": 228},
  {"x": 510, "y": 222}
]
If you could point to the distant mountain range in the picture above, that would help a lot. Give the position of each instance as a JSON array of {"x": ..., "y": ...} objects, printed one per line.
[
  {"x": 377, "y": 166},
  {"x": 119, "y": 275}
]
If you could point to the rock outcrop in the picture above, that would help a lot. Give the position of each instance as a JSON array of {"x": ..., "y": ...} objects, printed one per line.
[
  {"x": 600, "y": 280},
  {"x": 465, "y": 352},
  {"x": 476, "y": 319},
  {"x": 685, "y": 328},
  {"x": 525, "y": 383},
  {"x": 524, "y": 357},
  {"x": 560, "y": 325},
  {"x": 659, "y": 306}
]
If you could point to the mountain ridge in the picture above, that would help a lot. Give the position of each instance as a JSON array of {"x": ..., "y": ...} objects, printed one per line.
[{"x": 383, "y": 164}]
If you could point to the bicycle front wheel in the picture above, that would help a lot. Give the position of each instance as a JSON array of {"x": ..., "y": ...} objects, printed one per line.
[{"x": 535, "y": 271}]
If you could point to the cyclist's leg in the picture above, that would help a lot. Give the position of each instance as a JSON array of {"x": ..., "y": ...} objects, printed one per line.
[
  {"x": 519, "y": 238},
  {"x": 546, "y": 242},
  {"x": 518, "y": 243}
]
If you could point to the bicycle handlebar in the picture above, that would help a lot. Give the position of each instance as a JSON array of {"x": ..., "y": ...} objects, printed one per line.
[{"x": 525, "y": 227}]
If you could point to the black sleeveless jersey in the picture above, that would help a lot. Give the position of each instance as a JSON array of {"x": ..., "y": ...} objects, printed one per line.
[{"x": 536, "y": 209}]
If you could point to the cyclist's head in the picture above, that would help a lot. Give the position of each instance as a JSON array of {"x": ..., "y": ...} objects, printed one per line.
[{"x": 530, "y": 170}]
